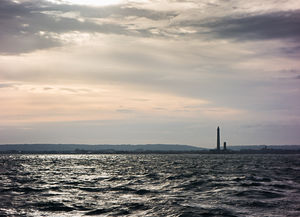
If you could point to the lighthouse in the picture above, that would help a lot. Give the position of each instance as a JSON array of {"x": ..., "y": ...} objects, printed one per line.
[{"x": 218, "y": 139}]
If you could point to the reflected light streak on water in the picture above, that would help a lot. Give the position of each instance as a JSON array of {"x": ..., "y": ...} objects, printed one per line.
[{"x": 150, "y": 185}]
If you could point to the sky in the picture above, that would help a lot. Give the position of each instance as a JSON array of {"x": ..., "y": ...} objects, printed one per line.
[{"x": 150, "y": 71}]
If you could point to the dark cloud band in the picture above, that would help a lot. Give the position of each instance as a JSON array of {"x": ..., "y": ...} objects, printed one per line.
[
  {"x": 279, "y": 25},
  {"x": 22, "y": 24}
]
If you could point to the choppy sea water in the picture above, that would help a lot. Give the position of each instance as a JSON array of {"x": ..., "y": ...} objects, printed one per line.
[{"x": 150, "y": 185}]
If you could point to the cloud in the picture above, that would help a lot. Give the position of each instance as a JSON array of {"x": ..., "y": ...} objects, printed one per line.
[
  {"x": 268, "y": 26},
  {"x": 226, "y": 74},
  {"x": 291, "y": 51},
  {"x": 32, "y": 25},
  {"x": 17, "y": 33},
  {"x": 6, "y": 85},
  {"x": 125, "y": 110}
]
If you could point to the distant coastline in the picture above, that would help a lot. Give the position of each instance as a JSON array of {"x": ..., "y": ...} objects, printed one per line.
[{"x": 143, "y": 149}]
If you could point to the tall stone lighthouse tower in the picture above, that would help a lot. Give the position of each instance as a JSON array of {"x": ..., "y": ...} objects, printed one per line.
[{"x": 218, "y": 138}]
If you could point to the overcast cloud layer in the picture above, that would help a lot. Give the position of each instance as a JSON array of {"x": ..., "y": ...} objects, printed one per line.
[{"x": 149, "y": 71}]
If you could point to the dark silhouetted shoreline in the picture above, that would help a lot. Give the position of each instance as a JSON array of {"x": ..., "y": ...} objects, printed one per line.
[{"x": 142, "y": 149}]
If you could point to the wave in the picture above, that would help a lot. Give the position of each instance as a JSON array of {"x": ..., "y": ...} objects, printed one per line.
[{"x": 149, "y": 185}]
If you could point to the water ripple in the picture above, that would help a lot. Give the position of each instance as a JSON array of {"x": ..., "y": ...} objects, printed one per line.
[{"x": 149, "y": 185}]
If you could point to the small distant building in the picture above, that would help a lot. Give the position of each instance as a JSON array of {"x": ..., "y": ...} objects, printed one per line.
[{"x": 224, "y": 148}]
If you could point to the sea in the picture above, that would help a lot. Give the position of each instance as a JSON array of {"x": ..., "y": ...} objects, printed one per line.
[{"x": 183, "y": 185}]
